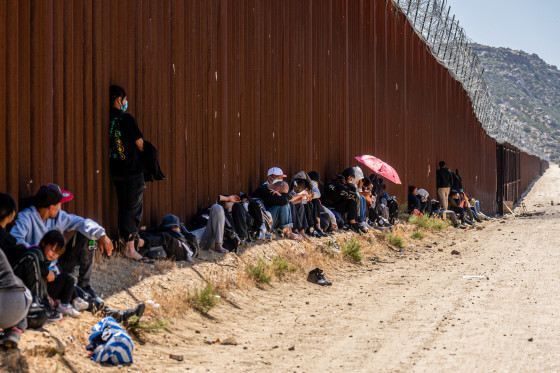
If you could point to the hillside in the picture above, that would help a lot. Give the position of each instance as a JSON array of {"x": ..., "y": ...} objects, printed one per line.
[{"x": 528, "y": 92}]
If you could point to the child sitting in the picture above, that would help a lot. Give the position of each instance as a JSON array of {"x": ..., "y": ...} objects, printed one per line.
[{"x": 35, "y": 270}]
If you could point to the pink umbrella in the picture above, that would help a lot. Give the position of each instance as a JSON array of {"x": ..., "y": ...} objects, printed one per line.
[{"x": 379, "y": 167}]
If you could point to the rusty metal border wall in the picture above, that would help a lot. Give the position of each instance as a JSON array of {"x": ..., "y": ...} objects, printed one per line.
[{"x": 226, "y": 90}]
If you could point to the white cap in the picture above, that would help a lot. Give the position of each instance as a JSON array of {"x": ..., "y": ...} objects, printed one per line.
[
  {"x": 423, "y": 192},
  {"x": 276, "y": 171},
  {"x": 358, "y": 174}
]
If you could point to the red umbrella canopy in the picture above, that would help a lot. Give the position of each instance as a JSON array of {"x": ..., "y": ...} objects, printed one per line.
[{"x": 380, "y": 167}]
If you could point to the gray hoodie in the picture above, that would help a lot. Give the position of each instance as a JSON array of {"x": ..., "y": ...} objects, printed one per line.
[{"x": 29, "y": 228}]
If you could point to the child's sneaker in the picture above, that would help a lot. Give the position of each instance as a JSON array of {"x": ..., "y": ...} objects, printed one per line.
[
  {"x": 79, "y": 304},
  {"x": 11, "y": 337},
  {"x": 67, "y": 309}
]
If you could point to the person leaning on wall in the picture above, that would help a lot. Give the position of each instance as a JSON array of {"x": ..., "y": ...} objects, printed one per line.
[{"x": 126, "y": 146}]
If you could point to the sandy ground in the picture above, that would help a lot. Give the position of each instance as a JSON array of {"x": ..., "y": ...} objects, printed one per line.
[{"x": 414, "y": 312}]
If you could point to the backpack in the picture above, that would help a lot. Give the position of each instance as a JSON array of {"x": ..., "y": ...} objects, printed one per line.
[
  {"x": 109, "y": 343},
  {"x": 393, "y": 207}
]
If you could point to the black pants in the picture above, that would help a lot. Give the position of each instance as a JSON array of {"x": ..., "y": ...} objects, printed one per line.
[
  {"x": 299, "y": 218},
  {"x": 460, "y": 212},
  {"x": 78, "y": 253},
  {"x": 347, "y": 208},
  {"x": 62, "y": 288},
  {"x": 238, "y": 215},
  {"x": 130, "y": 191}
]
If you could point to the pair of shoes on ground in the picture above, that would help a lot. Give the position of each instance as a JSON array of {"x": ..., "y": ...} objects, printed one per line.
[
  {"x": 356, "y": 227},
  {"x": 11, "y": 337},
  {"x": 316, "y": 276}
]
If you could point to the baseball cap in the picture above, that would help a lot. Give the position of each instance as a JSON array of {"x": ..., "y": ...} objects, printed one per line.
[
  {"x": 358, "y": 173},
  {"x": 51, "y": 194},
  {"x": 276, "y": 171},
  {"x": 315, "y": 176}
]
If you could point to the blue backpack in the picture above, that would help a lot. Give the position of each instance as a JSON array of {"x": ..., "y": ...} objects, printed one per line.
[{"x": 109, "y": 343}]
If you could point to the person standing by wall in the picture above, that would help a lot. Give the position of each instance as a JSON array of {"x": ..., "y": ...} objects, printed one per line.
[
  {"x": 444, "y": 179},
  {"x": 126, "y": 145}
]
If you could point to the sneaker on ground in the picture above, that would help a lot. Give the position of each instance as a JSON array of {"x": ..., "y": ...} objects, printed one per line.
[
  {"x": 11, "y": 337},
  {"x": 364, "y": 226},
  {"x": 79, "y": 304},
  {"x": 67, "y": 309},
  {"x": 54, "y": 316}
]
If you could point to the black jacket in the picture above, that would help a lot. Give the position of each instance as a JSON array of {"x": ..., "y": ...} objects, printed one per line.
[
  {"x": 413, "y": 203},
  {"x": 336, "y": 191},
  {"x": 8, "y": 281},
  {"x": 152, "y": 171},
  {"x": 270, "y": 199},
  {"x": 444, "y": 179},
  {"x": 11, "y": 248}
]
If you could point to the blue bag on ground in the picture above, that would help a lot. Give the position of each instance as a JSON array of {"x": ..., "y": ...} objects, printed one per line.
[{"x": 110, "y": 343}]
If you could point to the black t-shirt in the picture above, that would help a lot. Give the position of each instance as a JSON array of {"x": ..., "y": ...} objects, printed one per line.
[{"x": 125, "y": 157}]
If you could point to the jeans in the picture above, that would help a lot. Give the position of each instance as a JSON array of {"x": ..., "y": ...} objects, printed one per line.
[
  {"x": 363, "y": 209},
  {"x": 130, "y": 192},
  {"x": 78, "y": 253},
  {"x": 281, "y": 216}
]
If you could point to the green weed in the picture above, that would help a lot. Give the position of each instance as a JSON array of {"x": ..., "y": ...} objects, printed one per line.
[
  {"x": 205, "y": 299},
  {"x": 138, "y": 327},
  {"x": 434, "y": 224},
  {"x": 282, "y": 267},
  {"x": 394, "y": 239},
  {"x": 417, "y": 235},
  {"x": 353, "y": 251},
  {"x": 260, "y": 272}
]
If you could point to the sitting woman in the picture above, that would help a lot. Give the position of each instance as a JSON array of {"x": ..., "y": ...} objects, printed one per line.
[
  {"x": 413, "y": 199},
  {"x": 299, "y": 197},
  {"x": 455, "y": 206}
]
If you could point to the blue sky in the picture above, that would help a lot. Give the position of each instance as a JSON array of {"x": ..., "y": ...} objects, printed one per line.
[{"x": 532, "y": 26}]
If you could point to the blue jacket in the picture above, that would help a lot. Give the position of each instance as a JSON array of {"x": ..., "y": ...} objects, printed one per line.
[{"x": 29, "y": 228}]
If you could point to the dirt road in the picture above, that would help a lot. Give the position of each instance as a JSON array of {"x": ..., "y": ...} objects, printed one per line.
[
  {"x": 416, "y": 312},
  {"x": 413, "y": 315}
]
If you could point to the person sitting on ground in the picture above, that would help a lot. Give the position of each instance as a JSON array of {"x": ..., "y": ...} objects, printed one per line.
[
  {"x": 44, "y": 214},
  {"x": 362, "y": 201},
  {"x": 274, "y": 196},
  {"x": 211, "y": 237},
  {"x": 444, "y": 180},
  {"x": 170, "y": 239},
  {"x": 8, "y": 243},
  {"x": 327, "y": 220},
  {"x": 465, "y": 204},
  {"x": 455, "y": 206},
  {"x": 341, "y": 196},
  {"x": 299, "y": 196},
  {"x": 35, "y": 270},
  {"x": 413, "y": 200},
  {"x": 425, "y": 203},
  {"x": 475, "y": 208},
  {"x": 311, "y": 205},
  {"x": 15, "y": 298}
]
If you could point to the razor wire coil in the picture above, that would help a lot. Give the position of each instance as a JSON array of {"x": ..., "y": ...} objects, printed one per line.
[{"x": 447, "y": 42}]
